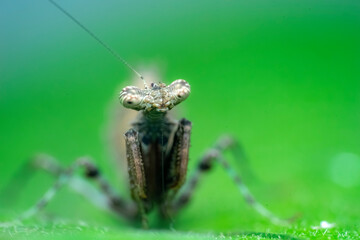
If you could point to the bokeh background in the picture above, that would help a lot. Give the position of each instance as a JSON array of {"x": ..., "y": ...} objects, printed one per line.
[{"x": 281, "y": 76}]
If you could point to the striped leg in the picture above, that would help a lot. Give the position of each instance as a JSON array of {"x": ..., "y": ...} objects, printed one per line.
[
  {"x": 205, "y": 164},
  {"x": 24, "y": 173},
  {"x": 106, "y": 200}
]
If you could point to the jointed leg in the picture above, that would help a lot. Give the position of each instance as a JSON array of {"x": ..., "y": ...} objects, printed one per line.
[
  {"x": 228, "y": 143},
  {"x": 24, "y": 173},
  {"x": 205, "y": 164},
  {"x": 116, "y": 203},
  {"x": 106, "y": 200}
]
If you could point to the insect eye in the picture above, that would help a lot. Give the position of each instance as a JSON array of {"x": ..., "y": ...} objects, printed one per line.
[
  {"x": 183, "y": 93},
  {"x": 131, "y": 97},
  {"x": 180, "y": 89}
]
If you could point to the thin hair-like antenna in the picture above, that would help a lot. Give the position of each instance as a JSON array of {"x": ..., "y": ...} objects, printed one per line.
[{"x": 115, "y": 54}]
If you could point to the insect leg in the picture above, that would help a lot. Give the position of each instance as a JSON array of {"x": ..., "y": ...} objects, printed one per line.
[
  {"x": 114, "y": 202},
  {"x": 177, "y": 164},
  {"x": 107, "y": 200},
  {"x": 136, "y": 173},
  {"x": 229, "y": 143},
  {"x": 24, "y": 173},
  {"x": 180, "y": 155},
  {"x": 222, "y": 144},
  {"x": 215, "y": 154}
]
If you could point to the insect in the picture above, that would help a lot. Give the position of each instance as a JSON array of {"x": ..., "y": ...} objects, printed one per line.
[{"x": 157, "y": 154}]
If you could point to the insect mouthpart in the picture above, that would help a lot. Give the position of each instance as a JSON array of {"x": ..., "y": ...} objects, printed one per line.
[{"x": 158, "y": 97}]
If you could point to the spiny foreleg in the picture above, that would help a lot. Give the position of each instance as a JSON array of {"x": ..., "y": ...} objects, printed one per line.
[{"x": 136, "y": 173}]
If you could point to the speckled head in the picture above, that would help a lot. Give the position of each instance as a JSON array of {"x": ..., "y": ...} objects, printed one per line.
[{"x": 158, "y": 97}]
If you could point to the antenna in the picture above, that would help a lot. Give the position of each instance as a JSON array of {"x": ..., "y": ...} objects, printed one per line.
[{"x": 115, "y": 54}]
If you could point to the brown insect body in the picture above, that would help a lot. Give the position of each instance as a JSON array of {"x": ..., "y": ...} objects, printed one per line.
[
  {"x": 155, "y": 141},
  {"x": 157, "y": 160}
]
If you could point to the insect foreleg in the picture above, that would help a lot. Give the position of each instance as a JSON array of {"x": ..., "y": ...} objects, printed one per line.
[
  {"x": 180, "y": 155},
  {"x": 215, "y": 154},
  {"x": 136, "y": 172},
  {"x": 178, "y": 163}
]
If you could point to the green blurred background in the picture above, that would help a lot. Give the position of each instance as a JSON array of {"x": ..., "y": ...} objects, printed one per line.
[{"x": 281, "y": 76}]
